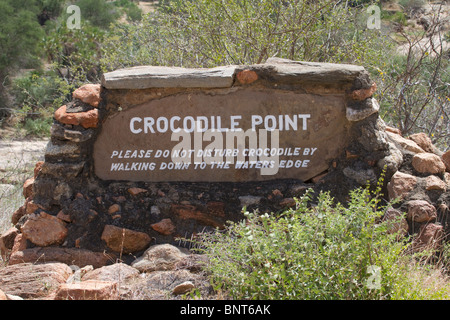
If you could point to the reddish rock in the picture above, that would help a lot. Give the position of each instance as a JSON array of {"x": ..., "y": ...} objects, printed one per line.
[
  {"x": 43, "y": 229},
  {"x": 428, "y": 163},
  {"x": 88, "y": 93},
  {"x": 87, "y": 119},
  {"x": 160, "y": 257},
  {"x": 69, "y": 256},
  {"x": 64, "y": 217},
  {"x": 30, "y": 206},
  {"x": 421, "y": 211},
  {"x": 403, "y": 143},
  {"x": 88, "y": 290},
  {"x": 363, "y": 94},
  {"x": 400, "y": 185},
  {"x": 136, "y": 191},
  {"x": 38, "y": 168},
  {"x": 288, "y": 203},
  {"x": 125, "y": 240},
  {"x": 434, "y": 183},
  {"x": 430, "y": 237},
  {"x": 423, "y": 141},
  {"x": 7, "y": 242},
  {"x": 183, "y": 288},
  {"x": 247, "y": 76},
  {"x": 165, "y": 227},
  {"x": 446, "y": 160},
  {"x": 31, "y": 280},
  {"x": 19, "y": 213},
  {"x": 28, "y": 188},
  {"x": 20, "y": 244},
  {"x": 114, "y": 208},
  {"x": 184, "y": 212},
  {"x": 3, "y": 296}
]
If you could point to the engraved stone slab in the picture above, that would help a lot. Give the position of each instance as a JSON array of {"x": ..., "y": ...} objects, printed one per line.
[{"x": 243, "y": 135}]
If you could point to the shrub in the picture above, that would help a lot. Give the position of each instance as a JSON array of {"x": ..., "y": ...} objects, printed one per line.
[{"x": 322, "y": 252}]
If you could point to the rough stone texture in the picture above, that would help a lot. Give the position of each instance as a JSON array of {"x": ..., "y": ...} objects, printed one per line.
[
  {"x": 117, "y": 272},
  {"x": 398, "y": 222},
  {"x": 435, "y": 183},
  {"x": 29, "y": 280},
  {"x": 3, "y": 296},
  {"x": 43, "y": 229},
  {"x": 165, "y": 226},
  {"x": 401, "y": 184},
  {"x": 421, "y": 211},
  {"x": 246, "y": 76},
  {"x": 7, "y": 241},
  {"x": 28, "y": 188},
  {"x": 125, "y": 240},
  {"x": 186, "y": 211},
  {"x": 70, "y": 256},
  {"x": 159, "y": 257},
  {"x": 428, "y": 163},
  {"x": 87, "y": 119},
  {"x": 88, "y": 290},
  {"x": 88, "y": 93},
  {"x": 183, "y": 288},
  {"x": 430, "y": 236},
  {"x": 360, "y": 114},
  {"x": 404, "y": 143},
  {"x": 362, "y": 94},
  {"x": 446, "y": 160},
  {"x": 423, "y": 141},
  {"x": 159, "y": 77}
]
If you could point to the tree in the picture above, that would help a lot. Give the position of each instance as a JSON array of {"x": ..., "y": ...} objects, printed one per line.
[{"x": 20, "y": 34}]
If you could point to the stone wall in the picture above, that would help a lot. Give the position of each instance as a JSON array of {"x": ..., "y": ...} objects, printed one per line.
[{"x": 70, "y": 209}]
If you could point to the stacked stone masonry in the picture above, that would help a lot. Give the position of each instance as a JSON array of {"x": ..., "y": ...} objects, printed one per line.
[{"x": 71, "y": 214}]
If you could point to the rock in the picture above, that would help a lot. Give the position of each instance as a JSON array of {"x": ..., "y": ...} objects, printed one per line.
[
  {"x": 88, "y": 93},
  {"x": 397, "y": 222},
  {"x": 117, "y": 272},
  {"x": 69, "y": 256},
  {"x": 288, "y": 203},
  {"x": 143, "y": 77},
  {"x": 446, "y": 160},
  {"x": 3, "y": 296},
  {"x": 423, "y": 141},
  {"x": 37, "y": 168},
  {"x": 30, "y": 280},
  {"x": 434, "y": 183},
  {"x": 247, "y": 201},
  {"x": 400, "y": 185},
  {"x": 393, "y": 130},
  {"x": 362, "y": 177},
  {"x": 246, "y": 76},
  {"x": 403, "y": 143},
  {"x": 421, "y": 211},
  {"x": 183, "y": 288},
  {"x": 363, "y": 94},
  {"x": 7, "y": 242},
  {"x": 114, "y": 208},
  {"x": 87, "y": 119},
  {"x": 78, "y": 273},
  {"x": 185, "y": 211},
  {"x": 66, "y": 150},
  {"x": 430, "y": 237},
  {"x": 165, "y": 227},
  {"x": 88, "y": 290},
  {"x": 159, "y": 257},
  {"x": 19, "y": 213},
  {"x": 43, "y": 229},
  {"x": 136, "y": 191},
  {"x": 125, "y": 240},
  {"x": 28, "y": 188},
  {"x": 428, "y": 163},
  {"x": 393, "y": 160},
  {"x": 64, "y": 217},
  {"x": 360, "y": 114}
]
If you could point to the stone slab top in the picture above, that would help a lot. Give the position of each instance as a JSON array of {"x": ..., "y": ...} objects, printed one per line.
[{"x": 144, "y": 77}]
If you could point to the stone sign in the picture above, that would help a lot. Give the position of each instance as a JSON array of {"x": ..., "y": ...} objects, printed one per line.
[
  {"x": 246, "y": 135},
  {"x": 153, "y": 154}
]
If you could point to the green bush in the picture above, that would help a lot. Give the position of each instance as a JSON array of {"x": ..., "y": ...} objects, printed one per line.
[
  {"x": 323, "y": 252},
  {"x": 326, "y": 251}
]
